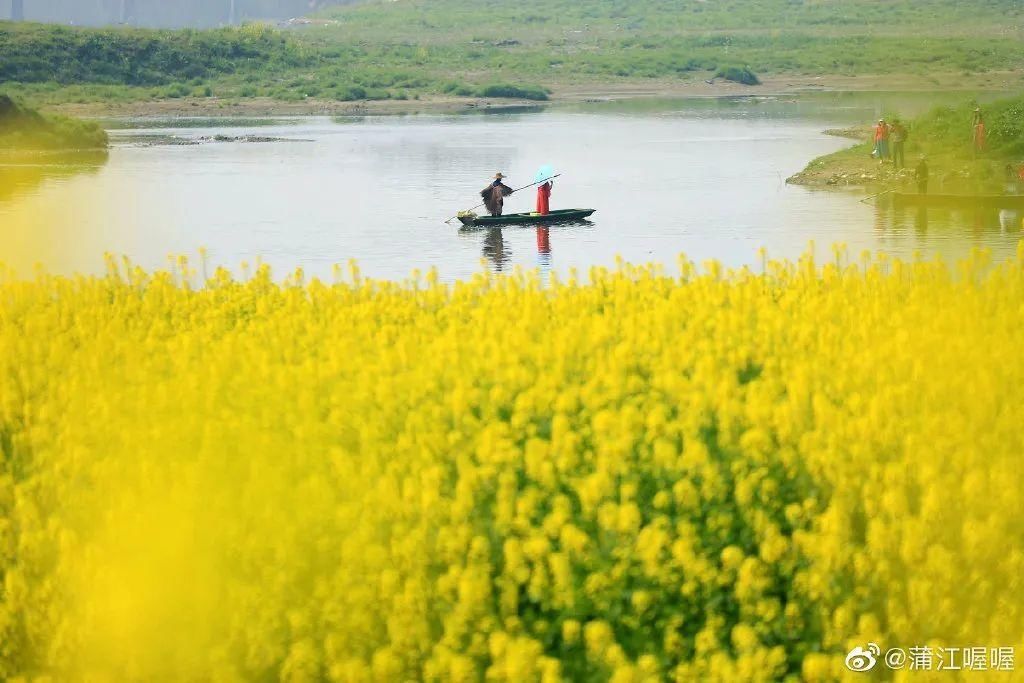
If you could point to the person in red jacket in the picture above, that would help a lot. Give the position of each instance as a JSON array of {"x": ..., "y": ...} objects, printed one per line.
[
  {"x": 881, "y": 151},
  {"x": 544, "y": 198}
]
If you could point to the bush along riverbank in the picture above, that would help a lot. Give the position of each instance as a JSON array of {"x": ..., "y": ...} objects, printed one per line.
[
  {"x": 22, "y": 128},
  {"x": 944, "y": 138}
]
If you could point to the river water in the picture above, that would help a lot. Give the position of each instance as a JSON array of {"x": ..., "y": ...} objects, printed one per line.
[{"x": 700, "y": 177}]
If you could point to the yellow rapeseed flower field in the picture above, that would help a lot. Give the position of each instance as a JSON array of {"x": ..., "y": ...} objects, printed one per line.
[{"x": 632, "y": 476}]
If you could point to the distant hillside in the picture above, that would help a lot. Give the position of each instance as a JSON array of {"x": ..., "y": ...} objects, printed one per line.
[
  {"x": 379, "y": 49},
  {"x": 568, "y": 40},
  {"x": 541, "y": 19}
]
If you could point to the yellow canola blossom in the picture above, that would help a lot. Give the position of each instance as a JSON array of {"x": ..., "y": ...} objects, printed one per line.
[{"x": 719, "y": 476}]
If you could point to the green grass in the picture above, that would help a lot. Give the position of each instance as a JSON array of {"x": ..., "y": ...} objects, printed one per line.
[
  {"x": 536, "y": 21},
  {"x": 22, "y": 128},
  {"x": 561, "y": 40},
  {"x": 408, "y": 48},
  {"x": 948, "y": 128}
]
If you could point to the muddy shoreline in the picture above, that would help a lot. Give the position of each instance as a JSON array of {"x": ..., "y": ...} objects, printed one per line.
[{"x": 563, "y": 93}]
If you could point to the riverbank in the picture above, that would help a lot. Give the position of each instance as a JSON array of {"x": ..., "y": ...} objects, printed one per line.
[
  {"x": 943, "y": 138},
  {"x": 563, "y": 93},
  {"x": 25, "y": 129},
  {"x": 948, "y": 171}
]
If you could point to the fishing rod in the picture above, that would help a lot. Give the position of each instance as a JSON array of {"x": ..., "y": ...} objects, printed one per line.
[
  {"x": 867, "y": 199},
  {"x": 509, "y": 194}
]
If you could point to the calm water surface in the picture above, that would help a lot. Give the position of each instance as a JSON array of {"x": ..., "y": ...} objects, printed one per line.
[{"x": 704, "y": 178}]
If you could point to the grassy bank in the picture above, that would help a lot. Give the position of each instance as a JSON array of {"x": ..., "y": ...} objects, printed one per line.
[
  {"x": 22, "y": 128},
  {"x": 419, "y": 48},
  {"x": 944, "y": 138}
]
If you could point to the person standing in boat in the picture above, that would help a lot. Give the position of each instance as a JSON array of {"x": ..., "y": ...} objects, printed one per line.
[
  {"x": 544, "y": 197},
  {"x": 494, "y": 195}
]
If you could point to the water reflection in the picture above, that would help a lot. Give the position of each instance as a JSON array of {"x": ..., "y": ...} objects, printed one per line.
[
  {"x": 921, "y": 222},
  {"x": 495, "y": 249},
  {"x": 34, "y": 229},
  {"x": 544, "y": 249},
  {"x": 928, "y": 228},
  {"x": 22, "y": 174}
]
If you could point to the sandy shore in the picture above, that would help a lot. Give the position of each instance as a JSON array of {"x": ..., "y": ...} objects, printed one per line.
[{"x": 563, "y": 93}]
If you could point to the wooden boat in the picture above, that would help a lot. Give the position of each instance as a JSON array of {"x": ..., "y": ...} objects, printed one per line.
[
  {"x": 991, "y": 201},
  {"x": 560, "y": 216}
]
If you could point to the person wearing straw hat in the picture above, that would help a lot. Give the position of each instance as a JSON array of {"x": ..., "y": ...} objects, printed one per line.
[{"x": 494, "y": 195}]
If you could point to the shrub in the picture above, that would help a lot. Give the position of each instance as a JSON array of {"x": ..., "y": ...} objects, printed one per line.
[
  {"x": 529, "y": 92},
  {"x": 176, "y": 90},
  {"x": 738, "y": 74}
]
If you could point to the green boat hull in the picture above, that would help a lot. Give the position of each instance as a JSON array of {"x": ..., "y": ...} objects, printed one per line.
[{"x": 560, "y": 216}]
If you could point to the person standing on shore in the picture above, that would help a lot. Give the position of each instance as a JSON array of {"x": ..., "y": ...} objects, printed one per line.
[
  {"x": 979, "y": 133},
  {"x": 921, "y": 174},
  {"x": 881, "y": 150},
  {"x": 898, "y": 135}
]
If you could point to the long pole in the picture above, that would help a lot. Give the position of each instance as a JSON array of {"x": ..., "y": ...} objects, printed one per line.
[
  {"x": 510, "y": 193},
  {"x": 867, "y": 199}
]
